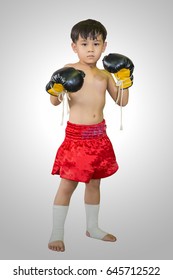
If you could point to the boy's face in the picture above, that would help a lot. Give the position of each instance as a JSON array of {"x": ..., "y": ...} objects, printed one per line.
[{"x": 89, "y": 50}]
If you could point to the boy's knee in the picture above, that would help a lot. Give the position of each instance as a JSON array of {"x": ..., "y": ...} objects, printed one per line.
[
  {"x": 68, "y": 186},
  {"x": 93, "y": 184}
]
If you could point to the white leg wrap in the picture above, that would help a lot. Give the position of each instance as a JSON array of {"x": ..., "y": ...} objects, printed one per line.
[
  {"x": 59, "y": 216},
  {"x": 92, "y": 212}
]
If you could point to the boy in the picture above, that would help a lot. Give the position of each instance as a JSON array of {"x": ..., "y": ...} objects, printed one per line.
[{"x": 86, "y": 155}]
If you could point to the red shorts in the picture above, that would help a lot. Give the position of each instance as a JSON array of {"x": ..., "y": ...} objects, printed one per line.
[{"x": 86, "y": 153}]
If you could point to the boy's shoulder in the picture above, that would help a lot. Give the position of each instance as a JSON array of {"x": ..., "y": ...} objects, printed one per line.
[{"x": 106, "y": 73}]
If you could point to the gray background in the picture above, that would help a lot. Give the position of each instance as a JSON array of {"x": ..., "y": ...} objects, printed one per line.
[{"x": 136, "y": 203}]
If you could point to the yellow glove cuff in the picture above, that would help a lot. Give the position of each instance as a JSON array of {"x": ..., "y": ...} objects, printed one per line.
[
  {"x": 56, "y": 89},
  {"x": 124, "y": 76}
]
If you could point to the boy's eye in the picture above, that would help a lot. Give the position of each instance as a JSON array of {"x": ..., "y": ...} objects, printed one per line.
[
  {"x": 84, "y": 44},
  {"x": 96, "y": 44}
]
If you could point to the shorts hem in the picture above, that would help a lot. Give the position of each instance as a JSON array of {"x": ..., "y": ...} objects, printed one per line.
[{"x": 87, "y": 180}]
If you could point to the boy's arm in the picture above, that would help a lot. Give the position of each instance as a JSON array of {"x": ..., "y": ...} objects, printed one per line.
[
  {"x": 120, "y": 96},
  {"x": 54, "y": 100}
]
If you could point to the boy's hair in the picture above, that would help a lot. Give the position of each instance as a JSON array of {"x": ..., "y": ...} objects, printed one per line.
[{"x": 88, "y": 28}]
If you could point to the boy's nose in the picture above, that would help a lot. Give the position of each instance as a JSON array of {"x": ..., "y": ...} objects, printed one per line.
[{"x": 90, "y": 49}]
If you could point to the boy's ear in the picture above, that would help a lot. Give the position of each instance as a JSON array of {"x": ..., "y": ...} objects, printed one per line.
[
  {"x": 104, "y": 46},
  {"x": 73, "y": 45}
]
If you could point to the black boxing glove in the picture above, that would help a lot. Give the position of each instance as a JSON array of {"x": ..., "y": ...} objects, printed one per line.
[
  {"x": 65, "y": 79},
  {"x": 122, "y": 68}
]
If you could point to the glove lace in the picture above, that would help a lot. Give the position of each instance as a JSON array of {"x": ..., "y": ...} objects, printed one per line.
[
  {"x": 119, "y": 84},
  {"x": 62, "y": 99}
]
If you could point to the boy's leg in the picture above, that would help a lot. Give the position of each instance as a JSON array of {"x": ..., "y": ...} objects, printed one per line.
[
  {"x": 60, "y": 210},
  {"x": 92, "y": 204}
]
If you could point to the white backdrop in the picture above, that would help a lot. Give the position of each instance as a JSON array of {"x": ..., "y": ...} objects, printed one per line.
[{"x": 136, "y": 203}]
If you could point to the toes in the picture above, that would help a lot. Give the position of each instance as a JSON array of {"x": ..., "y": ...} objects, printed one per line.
[
  {"x": 109, "y": 237},
  {"x": 57, "y": 246}
]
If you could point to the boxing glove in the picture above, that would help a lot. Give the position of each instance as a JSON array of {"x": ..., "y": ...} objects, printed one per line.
[
  {"x": 122, "y": 68},
  {"x": 67, "y": 78}
]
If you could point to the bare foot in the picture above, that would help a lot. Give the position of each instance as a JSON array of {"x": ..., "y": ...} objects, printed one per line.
[
  {"x": 107, "y": 237},
  {"x": 57, "y": 246}
]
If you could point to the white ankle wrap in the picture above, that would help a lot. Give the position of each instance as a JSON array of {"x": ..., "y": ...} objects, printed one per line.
[
  {"x": 59, "y": 216},
  {"x": 92, "y": 212}
]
